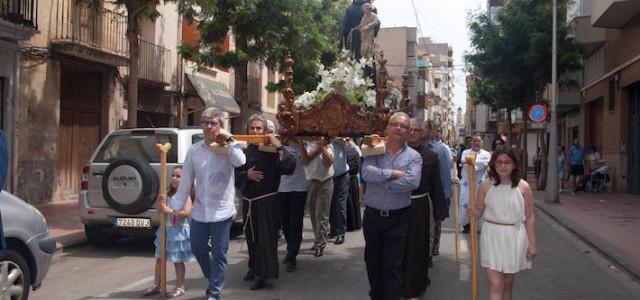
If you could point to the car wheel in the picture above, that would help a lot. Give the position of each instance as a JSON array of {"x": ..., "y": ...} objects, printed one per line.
[
  {"x": 15, "y": 277},
  {"x": 99, "y": 237},
  {"x": 130, "y": 185}
]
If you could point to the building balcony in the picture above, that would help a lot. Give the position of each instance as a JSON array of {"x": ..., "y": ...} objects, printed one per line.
[
  {"x": 95, "y": 34},
  {"x": 155, "y": 63},
  {"x": 21, "y": 12},
  {"x": 18, "y": 19},
  {"x": 591, "y": 38},
  {"x": 613, "y": 13}
]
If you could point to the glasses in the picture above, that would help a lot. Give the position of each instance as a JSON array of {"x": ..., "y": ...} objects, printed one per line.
[
  {"x": 416, "y": 130},
  {"x": 399, "y": 125},
  {"x": 210, "y": 124},
  {"x": 504, "y": 162}
]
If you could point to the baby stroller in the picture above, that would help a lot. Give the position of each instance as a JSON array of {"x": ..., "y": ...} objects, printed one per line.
[{"x": 597, "y": 180}]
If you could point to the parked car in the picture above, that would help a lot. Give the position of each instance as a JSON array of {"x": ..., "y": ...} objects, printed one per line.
[
  {"x": 25, "y": 261},
  {"x": 120, "y": 182}
]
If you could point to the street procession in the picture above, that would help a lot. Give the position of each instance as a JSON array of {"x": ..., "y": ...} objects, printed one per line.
[{"x": 315, "y": 149}]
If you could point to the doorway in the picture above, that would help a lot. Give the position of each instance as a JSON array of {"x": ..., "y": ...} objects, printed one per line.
[
  {"x": 633, "y": 173},
  {"x": 79, "y": 131}
]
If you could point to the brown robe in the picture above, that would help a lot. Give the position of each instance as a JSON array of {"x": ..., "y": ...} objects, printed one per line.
[
  {"x": 262, "y": 216},
  {"x": 416, "y": 270}
]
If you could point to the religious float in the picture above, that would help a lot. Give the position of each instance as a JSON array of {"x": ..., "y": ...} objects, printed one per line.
[{"x": 343, "y": 105}]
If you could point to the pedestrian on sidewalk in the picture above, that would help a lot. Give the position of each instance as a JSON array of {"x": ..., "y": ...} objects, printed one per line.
[
  {"x": 562, "y": 167},
  {"x": 576, "y": 159},
  {"x": 317, "y": 158},
  {"x": 426, "y": 201},
  {"x": 214, "y": 207},
  {"x": 508, "y": 240},
  {"x": 293, "y": 196},
  {"x": 390, "y": 179},
  {"x": 258, "y": 179},
  {"x": 178, "y": 244}
]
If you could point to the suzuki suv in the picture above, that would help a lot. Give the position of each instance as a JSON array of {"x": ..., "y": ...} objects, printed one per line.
[{"x": 121, "y": 181}]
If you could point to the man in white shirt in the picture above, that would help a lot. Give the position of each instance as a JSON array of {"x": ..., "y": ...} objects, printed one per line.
[
  {"x": 317, "y": 158},
  {"x": 214, "y": 208},
  {"x": 482, "y": 163}
]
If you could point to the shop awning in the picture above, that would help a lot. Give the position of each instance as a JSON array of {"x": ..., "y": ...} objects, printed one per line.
[{"x": 214, "y": 94}]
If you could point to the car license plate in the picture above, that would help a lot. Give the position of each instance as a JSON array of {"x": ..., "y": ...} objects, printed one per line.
[{"x": 133, "y": 222}]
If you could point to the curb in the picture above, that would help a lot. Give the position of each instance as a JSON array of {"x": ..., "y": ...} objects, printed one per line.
[
  {"x": 70, "y": 240},
  {"x": 618, "y": 259}
]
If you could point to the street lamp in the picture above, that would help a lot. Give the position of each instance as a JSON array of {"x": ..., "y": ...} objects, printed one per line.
[{"x": 552, "y": 170}]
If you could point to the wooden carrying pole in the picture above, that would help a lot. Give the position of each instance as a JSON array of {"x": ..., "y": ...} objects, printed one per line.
[
  {"x": 456, "y": 209},
  {"x": 471, "y": 161},
  {"x": 163, "y": 224}
]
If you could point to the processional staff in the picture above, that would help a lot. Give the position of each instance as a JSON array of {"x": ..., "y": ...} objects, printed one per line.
[
  {"x": 163, "y": 224},
  {"x": 471, "y": 161}
]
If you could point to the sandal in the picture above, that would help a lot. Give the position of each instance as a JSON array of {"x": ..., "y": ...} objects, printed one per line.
[
  {"x": 152, "y": 290},
  {"x": 177, "y": 292}
]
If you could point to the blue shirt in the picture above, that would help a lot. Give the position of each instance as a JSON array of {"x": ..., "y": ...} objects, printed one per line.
[
  {"x": 385, "y": 193},
  {"x": 576, "y": 155},
  {"x": 446, "y": 165},
  {"x": 4, "y": 160},
  {"x": 340, "y": 165}
]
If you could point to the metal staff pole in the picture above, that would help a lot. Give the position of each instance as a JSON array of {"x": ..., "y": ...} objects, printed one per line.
[
  {"x": 163, "y": 224},
  {"x": 471, "y": 161}
]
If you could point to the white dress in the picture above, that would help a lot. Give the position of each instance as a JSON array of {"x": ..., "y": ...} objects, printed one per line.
[{"x": 504, "y": 241}]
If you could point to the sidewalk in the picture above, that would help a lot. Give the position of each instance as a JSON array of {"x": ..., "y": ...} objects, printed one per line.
[
  {"x": 63, "y": 219},
  {"x": 609, "y": 222}
]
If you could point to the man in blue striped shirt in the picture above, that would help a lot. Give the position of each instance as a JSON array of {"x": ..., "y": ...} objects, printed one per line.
[{"x": 390, "y": 179}]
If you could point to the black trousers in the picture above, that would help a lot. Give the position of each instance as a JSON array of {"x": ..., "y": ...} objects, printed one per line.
[
  {"x": 385, "y": 239},
  {"x": 292, "y": 204}
]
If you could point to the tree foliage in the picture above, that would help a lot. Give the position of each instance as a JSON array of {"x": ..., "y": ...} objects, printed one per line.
[
  {"x": 512, "y": 59},
  {"x": 266, "y": 31}
]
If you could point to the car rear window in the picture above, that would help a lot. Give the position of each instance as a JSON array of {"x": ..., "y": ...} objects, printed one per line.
[{"x": 138, "y": 144}]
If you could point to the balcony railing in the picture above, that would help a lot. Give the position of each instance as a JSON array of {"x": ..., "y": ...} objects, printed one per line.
[
  {"x": 79, "y": 22},
  {"x": 155, "y": 63},
  {"x": 21, "y": 12}
]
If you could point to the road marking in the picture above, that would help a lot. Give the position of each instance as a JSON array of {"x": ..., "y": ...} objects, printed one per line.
[{"x": 129, "y": 287}]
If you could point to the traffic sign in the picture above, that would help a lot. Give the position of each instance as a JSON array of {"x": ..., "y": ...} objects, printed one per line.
[{"x": 538, "y": 113}]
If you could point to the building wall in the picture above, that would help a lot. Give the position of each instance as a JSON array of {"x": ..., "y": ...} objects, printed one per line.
[
  {"x": 605, "y": 103},
  {"x": 398, "y": 45}
]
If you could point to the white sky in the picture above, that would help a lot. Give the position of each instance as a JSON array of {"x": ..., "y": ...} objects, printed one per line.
[{"x": 445, "y": 21}]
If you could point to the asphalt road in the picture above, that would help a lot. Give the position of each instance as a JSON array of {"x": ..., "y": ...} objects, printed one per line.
[{"x": 564, "y": 269}]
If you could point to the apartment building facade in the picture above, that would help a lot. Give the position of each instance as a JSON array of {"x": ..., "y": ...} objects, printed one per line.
[{"x": 611, "y": 87}]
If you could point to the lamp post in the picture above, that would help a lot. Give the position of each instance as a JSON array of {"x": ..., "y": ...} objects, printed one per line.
[{"x": 552, "y": 170}]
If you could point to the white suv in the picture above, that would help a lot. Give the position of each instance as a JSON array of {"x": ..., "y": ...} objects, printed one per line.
[{"x": 120, "y": 182}]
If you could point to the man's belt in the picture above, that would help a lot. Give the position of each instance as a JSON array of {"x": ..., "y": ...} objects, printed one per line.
[
  {"x": 388, "y": 213},
  {"x": 419, "y": 196}
]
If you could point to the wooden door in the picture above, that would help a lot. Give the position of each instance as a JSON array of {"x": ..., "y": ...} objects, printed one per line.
[
  {"x": 79, "y": 132},
  {"x": 633, "y": 149}
]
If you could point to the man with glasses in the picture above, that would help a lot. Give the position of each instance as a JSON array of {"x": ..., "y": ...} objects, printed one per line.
[
  {"x": 426, "y": 201},
  {"x": 390, "y": 179},
  {"x": 214, "y": 207}
]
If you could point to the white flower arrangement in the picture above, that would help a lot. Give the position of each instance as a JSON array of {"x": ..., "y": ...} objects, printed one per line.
[{"x": 347, "y": 78}]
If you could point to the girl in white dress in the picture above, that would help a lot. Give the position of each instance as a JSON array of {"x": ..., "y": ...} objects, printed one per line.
[{"x": 508, "y": 239}]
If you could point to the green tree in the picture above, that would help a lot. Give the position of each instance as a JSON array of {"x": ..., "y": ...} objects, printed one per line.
[
  {"x": 265, "y": 31},
  {"x": 512, "y": 58}
]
